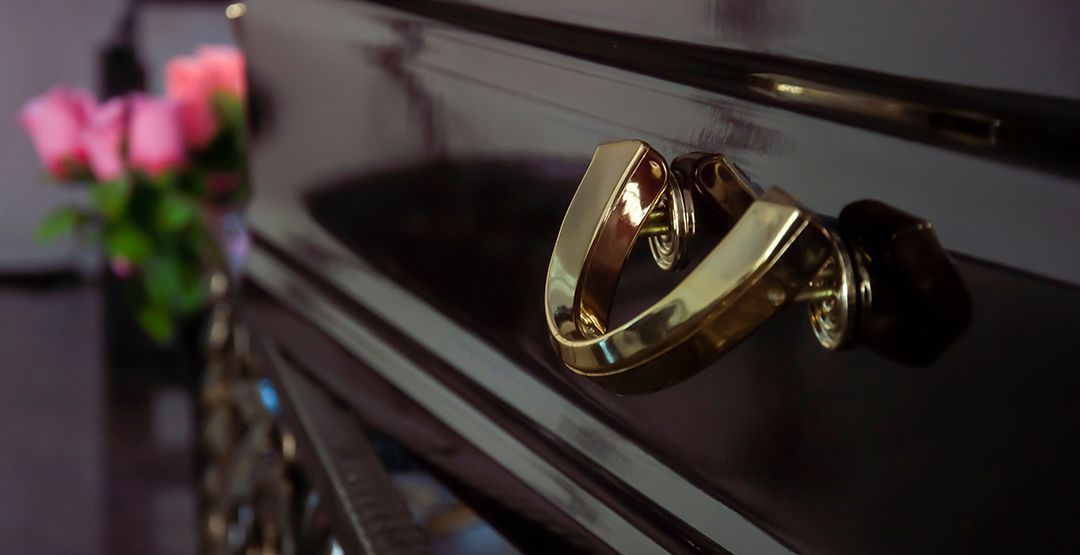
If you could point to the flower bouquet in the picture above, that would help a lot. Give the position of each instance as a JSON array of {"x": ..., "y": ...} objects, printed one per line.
[{"x": 157, "y": 170}]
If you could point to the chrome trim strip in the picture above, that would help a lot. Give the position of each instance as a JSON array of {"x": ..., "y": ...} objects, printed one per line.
[
  {"x": 503, "y": 378},
  {"x": 454, "y": 411},
  {"x": 1035, "y": 130}
]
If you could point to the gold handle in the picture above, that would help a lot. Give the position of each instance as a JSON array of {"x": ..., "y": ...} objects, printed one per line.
[{"x": 774, "y": 252}]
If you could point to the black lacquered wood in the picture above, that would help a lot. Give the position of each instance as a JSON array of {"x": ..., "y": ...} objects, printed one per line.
[{"x": 417, "y": 167}]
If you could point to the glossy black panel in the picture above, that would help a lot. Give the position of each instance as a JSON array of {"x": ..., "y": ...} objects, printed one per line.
[
  {"x": 418, "y": 172},
  {"x": 1033, "y": 130},
  {"x": 342, "y": 88},
  {"x": 1028, "y": 46},
  {"x": 848, "y": 451}
]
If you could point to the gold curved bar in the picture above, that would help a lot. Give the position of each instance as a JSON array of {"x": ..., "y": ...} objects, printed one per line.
[{"x": 770, "y": 255}]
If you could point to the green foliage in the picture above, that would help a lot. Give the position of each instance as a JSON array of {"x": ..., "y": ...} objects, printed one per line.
[
  {"x": 173, "y": 212},
  {"x": 192, "y": 184},
  {"x": 111, "y": 197},
  {"x": 225, "y": 152},
  {"x": 60, "y": 222},
  {"x": 157, "y": 320},
  {"x": 123, "y": 238},
  {"x": 162, "y": 281},
  {"x": 230, "y": 111},
  {"x": 159, "y": 229},
  {"x": 192, "y": 294},
  {"x": 164, "y": 181}
]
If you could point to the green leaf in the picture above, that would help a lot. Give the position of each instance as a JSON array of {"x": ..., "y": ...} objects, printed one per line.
[
  {"x": 124, "y": 239},
  {"x": 157, "y": 321},
  {"x": 192, "y": 183},
  {"x": 166, "y": 180},
  {"x": 163, "y": 280},
  {"x": 192, "y": 294},
  {"x": 59, "y": 222},
  {"x": 111, "y": 197},
  {"x": 230, "y": 110},
  {"x": 173, "y": 212}
]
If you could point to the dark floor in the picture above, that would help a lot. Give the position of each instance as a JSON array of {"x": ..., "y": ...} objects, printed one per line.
[{"x": 96, "y": 455}]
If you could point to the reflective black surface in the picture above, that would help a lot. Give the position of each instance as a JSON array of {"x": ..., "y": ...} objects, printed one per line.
[
  {"x": 1041, "y": 131},
  {"x": 996, "y": 44},
  {"x": 415, "y": 173},
  {"x": 516, "y": 512},
  {"x": 777, "y": 425}
]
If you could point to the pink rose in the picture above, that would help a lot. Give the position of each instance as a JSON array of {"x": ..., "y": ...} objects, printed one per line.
[
  {"x": 102, "y": 138},
  {"x": 155, "y": 143},
  {"x": 55, "y": 121},
  {"x": 186, "y": 82},
  {"x": 224, "y": 66},
  {"x": 194, "y": 80}
]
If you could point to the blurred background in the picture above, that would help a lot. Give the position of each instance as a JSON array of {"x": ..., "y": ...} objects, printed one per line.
[{"x": 95, "y": 418}]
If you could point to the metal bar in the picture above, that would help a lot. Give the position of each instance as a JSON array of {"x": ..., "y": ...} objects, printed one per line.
[{"x": 370, "y": 515}]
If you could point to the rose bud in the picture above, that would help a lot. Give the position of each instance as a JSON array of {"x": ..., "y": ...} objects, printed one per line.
[
  {"x": 102, "y": 139},
  {"x": 155, "y": 142},
  {"x": 186, "y": 82},
  {"x": 224, "y": 69},
  {"x": 55, "y": 121}
]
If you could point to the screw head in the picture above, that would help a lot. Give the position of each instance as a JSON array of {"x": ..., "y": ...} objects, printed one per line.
[
  {"x": 833, "y": 318},
  {"x": 670, "y": 250}
]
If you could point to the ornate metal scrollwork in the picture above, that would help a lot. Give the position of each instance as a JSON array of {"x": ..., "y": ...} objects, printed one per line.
[{"x": 254, "y": 496}]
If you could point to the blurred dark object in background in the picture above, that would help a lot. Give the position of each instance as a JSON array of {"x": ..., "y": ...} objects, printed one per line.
[{"x": 121, "y": 69}]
